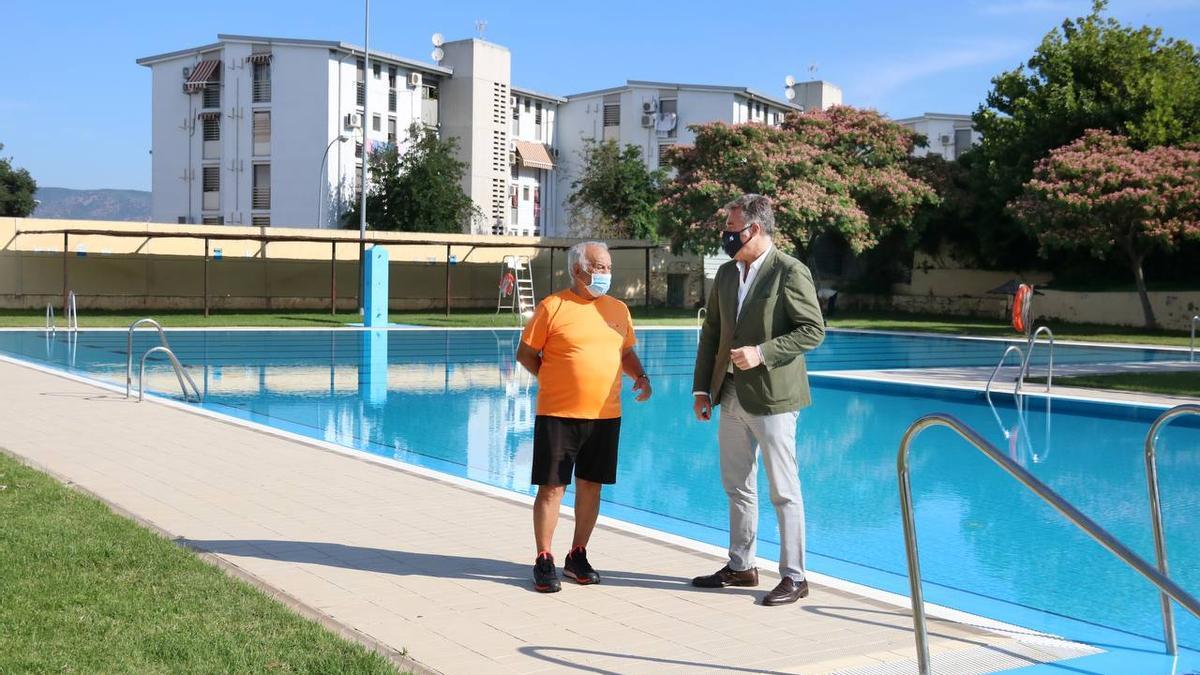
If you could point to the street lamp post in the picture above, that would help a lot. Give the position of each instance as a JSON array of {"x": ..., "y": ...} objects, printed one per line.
[
  {"x": 362, "y": 207},
  {"x": 342, "y": 138}
]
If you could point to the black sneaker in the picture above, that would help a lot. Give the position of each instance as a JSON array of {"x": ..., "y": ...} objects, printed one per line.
[
  {"x": 577, "y": 568},
  {"x": 545, "y": 577}
]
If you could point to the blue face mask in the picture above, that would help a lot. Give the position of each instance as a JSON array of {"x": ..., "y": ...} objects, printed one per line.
[{"x": 600, "y": 284}]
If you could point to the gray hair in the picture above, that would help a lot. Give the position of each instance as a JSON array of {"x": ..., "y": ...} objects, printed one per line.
[
  {"x": 755, "y": 209},
  {"x": 575, "y": 256}
]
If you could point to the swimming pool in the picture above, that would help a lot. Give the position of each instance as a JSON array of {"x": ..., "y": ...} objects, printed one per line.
[{"x": 456, "y": 401}]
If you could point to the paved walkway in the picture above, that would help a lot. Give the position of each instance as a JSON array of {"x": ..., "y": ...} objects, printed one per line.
[
  {"x": 976, "y": 378},
  {"x": 441, "y": 570}
]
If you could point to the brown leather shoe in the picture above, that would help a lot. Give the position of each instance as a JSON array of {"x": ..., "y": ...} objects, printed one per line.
[
  {"x": 786, "y": 593},
  {"x": 727, "y": 577}
]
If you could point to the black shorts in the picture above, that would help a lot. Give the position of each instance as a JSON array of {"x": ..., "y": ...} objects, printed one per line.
[{"x": 587, "y": 448}]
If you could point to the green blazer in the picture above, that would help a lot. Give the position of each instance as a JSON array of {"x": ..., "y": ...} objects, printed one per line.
[{"x": 781, "y": 315}]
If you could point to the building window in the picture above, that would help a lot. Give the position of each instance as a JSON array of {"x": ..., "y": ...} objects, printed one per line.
[
  {"x": 516, "y": 212},
  {"x": 260, "y": 221},
  {"x": 262, "y": 132},
  {"x": 261, "y": 199},
  {"x": 213, "y": 220},
  {"x": 358, "y": 183},
  {"x": 537, "y": 121},
  {"x": 670, "y": 106},
  {"x": 527, "y": 104},
  {"x": 391, "y": 130},
  {"x": 377, "y": 69},
  {"x": 361, "y": 84},
  {"x": 612, "y": 114},
  {"x": 262, "y": 82},
  {"x": 358, "y": 150},
  {"x": 392, "y": 76},
  {"x": 211, "y": 186},
  {"x": 376, "y": 123},
  {"x": 525, "y": 193},
  {"x": 962, "y": 142},
  {"x": 429, "y": 105}
]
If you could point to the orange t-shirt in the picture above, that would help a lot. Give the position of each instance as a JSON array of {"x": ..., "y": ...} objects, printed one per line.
[{"x": 581, "y": 342}]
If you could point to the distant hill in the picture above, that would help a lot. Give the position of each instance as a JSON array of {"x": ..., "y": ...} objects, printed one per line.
[{"x": 92, "y": 204}]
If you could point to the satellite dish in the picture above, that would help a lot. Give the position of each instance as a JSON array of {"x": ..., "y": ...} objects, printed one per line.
[
  {"x": 437, "y": 54},
  {"x": 790, "y": 94},
  {"x": 438, "y": 40},
  {"x": 789, "y": 81}
]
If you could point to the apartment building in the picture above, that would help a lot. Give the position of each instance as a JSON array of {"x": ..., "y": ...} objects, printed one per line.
[
  {"x": 258, "y": 130},
  {"x": 264, "y": 131},
  {"x": 949, "y": 135},
  {"x": 656, "y": 115}
]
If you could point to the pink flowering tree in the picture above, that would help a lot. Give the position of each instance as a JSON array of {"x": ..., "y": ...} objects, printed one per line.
[
  {"x": 841, "y": 170},
  {"x": 1100, "y": 194}
]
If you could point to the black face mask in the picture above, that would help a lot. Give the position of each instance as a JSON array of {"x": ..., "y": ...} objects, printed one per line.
[{"x": 731, "y": 241}]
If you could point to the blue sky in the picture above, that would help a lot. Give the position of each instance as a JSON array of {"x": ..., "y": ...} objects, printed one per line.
[{"x": 75, "y": 108}]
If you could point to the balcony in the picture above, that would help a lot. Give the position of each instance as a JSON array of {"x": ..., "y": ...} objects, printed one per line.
[
  {"x": 261, "y": 91},
  {"x": 261, "y": 198}
]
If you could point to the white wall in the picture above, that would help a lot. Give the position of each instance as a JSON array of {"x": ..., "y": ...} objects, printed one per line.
[
  {"x": 933, "y": 128},
  {"x": 171, "y": 116}
]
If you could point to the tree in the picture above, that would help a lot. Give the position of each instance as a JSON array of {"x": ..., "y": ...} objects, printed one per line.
[
  {"x": 1103, "y": 194},
  {"x": 17, "y": 188},
  {"x": 839, "y": 171},
  {"x": 1092, "y": 73},
  {"x": 417, "y": 188},
  {"x": 616, "y": 195}
]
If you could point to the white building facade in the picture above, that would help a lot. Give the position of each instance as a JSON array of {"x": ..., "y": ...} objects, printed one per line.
[
  {"x": 948, "y": 135},
  {"x": 654, "y": 116},
  {"x": 246, "y": 130}
]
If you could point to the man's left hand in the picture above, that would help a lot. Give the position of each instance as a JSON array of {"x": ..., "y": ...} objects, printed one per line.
[
  {"x": 745, "y": 358},
  {"x": 642, "y": 384}
]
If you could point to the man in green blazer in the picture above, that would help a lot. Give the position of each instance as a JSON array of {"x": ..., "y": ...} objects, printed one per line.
[{"x": 762, "y": 318}]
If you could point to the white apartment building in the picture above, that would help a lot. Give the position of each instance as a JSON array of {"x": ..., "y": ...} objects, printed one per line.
[
  {"x": 656, "y": 115},
  {"x": 948, "y": 135},
  {"x": 260, "y": 131},
  {"x": 270, "y": 131}
]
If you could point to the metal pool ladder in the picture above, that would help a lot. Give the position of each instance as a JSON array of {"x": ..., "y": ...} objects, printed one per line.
[
  {"x": 1157, "y": 577},
  {"x": 1192, "y": 341},
  {"x": 165, "y": 348}
]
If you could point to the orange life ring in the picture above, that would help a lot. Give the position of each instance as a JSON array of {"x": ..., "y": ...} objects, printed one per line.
[
  {"x": 1021, "y": 308},
  {"x": 507, "y": 281}
]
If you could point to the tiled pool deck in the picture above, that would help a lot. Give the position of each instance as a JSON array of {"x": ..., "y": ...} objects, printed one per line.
[{"x": 435, "y": 571}]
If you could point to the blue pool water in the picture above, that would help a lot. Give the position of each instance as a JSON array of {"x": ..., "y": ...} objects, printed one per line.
[{"x": 457, "y": 402}]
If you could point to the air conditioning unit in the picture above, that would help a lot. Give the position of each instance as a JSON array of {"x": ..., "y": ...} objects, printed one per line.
[
  {"x": 512, "y": 158},
  {"x": 414, "y": 80},
  {"x": 187, "y": 70},
  {"x": 649, "y": 107},
  {"x": 353, "y": 121},
  {"x": 648, "y": 121},
  {"x": 512, "y": 101},
  {"x": 946, "y": 139}
]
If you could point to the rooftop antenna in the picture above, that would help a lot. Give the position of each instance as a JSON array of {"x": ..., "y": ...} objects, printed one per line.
[{"x": 480, "y": 27}]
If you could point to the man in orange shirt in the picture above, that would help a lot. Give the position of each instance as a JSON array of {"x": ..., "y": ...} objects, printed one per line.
[{"x": 577, "y": 344}]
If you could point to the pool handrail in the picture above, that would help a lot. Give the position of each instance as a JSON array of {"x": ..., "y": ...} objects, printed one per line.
[
  {"x": 1160, "y": 543},
  {"x": 1192, "y": 341},
  {"x": 72, "y": 311},
  {"x": 1029, "y": 358},
  {"x": 179, "y": 373},
  {"x": 987, "y": 390},
  {"x": 1043, "y": 491},
  {"x": 162, "y": 337}
]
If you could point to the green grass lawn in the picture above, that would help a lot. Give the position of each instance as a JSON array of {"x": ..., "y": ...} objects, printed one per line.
[
  {"x": 1173, "y": 384},
  {"x": 83, "y": 590},
  {"x": 654, "y": 316}
]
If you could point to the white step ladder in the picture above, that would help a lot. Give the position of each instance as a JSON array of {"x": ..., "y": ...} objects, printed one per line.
[{"x": 516, "y": 277}]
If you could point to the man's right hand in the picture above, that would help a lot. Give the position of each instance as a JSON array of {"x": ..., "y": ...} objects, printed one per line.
[{"x": 702, "y": 406}]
